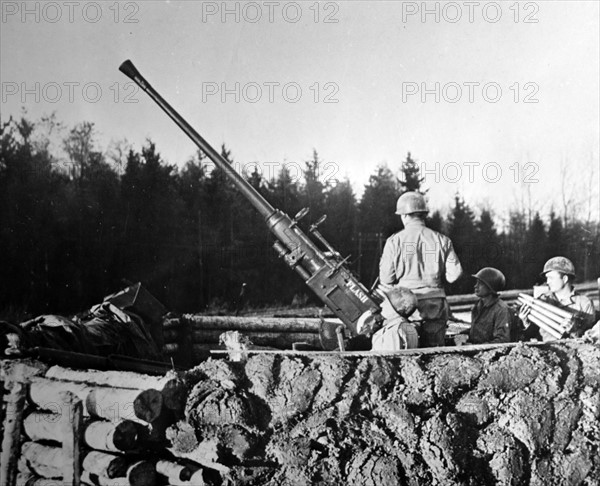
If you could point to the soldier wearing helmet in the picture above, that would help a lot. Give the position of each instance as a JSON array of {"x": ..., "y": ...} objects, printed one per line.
[
  {"x": 560, "y": 274},
  {"x": 491, "y": 318},
  {"x": 397, "y": 331},
  {"x": 421, "y": 260}
]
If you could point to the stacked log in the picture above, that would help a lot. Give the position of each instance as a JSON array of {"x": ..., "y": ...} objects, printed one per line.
[
  {"x": 203, "y": 332},
  {"x": 80, "y": 428}
]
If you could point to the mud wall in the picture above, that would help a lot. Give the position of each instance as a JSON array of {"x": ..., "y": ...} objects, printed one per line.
[{"x": 523, "y": 415}]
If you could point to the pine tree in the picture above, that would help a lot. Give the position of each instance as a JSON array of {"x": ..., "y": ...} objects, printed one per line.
[
  {"x": 556, "y": 243},
  {"x": 461, "y": 230},
  {"x": 312, "y": 192},
  {"x": 489, "y": 250},
  {"x": 410, "y": 178},
  {"x": 534, "y": 250}
]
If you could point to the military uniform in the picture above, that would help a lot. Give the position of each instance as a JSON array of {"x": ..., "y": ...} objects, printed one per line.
[
  {"x": 421, "y": 259},
  {"x": 396, "y": 334},
  {"x": 491, "y": 322}
]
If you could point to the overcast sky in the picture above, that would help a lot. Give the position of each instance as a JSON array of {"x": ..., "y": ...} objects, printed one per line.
[{"x": 469, "y": 88}]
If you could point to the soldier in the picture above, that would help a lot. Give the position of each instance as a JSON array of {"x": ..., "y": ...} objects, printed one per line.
[
  {"x": 491, "y": 319},
  {"x": 421, "y": 260},
  {"x": 560, "y": 274},
  {"x": 397, "y": 331}
]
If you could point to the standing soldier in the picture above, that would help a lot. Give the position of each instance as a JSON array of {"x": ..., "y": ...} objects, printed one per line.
[
  {"x": 560, "y": 274},
  {"x": 421, "y": 260}
]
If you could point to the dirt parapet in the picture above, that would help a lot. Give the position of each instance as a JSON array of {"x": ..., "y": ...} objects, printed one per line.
[{"x": 510, "y": 416}]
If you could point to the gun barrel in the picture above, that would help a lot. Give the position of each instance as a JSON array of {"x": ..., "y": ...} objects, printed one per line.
[{"x": 259, "y": 202}]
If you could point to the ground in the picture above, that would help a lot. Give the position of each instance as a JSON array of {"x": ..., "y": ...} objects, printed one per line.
[{"x": 515, "y": 415}]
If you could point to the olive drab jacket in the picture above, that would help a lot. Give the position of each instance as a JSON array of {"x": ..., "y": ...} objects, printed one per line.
[
  {"x": 491, "y": 323},
  {"x": 419, "y": 259}
]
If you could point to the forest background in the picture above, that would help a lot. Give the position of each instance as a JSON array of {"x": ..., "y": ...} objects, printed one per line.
[{"x": 79, "y": 223}]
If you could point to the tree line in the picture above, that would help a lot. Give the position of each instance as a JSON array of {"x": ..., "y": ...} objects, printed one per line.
[{"x": 78, "y": 223}]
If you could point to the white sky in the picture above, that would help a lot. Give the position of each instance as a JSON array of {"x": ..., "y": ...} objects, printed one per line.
[{"x": 373, "y": 56}]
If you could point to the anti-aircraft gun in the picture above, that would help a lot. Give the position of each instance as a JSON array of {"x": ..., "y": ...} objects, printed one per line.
[{"x": 324, "y": 271}]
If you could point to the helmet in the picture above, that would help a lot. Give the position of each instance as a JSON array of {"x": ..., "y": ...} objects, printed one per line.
[
  {"x": 411, "y": 202},
  {"x": 492, "y": 277},
  {"x": 403, "y": 300},
  {"x": 560, "y": 264}
]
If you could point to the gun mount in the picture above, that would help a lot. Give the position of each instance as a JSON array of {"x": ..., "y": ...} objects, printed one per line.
[{"x": 323, "y": 271}]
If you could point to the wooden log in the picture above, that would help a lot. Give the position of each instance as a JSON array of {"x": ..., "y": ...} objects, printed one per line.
[
  {"x": 141, "y": 473},
  {"x": 28, "y": 479},
  {"x": 171, "y": 335},
  {"x": 283, "y": 340},
  {"x": 255, "y": 324},
  {"x": 71, "y": 434},
  {"x": 170, "y": 348},
  {"x": 45, "y": 393},
  {"x": 173, "y": 471},
  {"x": 98, "y": 480},
  {"x": 46, "y": 461},
  {"x": 171, "y": 386},
  {"x": 106, "y": 465},
  {"x": 197, "y": 479},
  {"x": 44, "y": 425},
  {"x": 115, "y": 379},
  {"x": 112, "y": 436},
  {"x": 116, "y": 404},
  {"x": 172, "y": 323},
  {"x": 15, "y": 403}
]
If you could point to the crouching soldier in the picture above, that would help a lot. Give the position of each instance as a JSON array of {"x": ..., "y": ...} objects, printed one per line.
[
  {"x": 492, "y": 321},
  {"x": 397, "y": 331}
]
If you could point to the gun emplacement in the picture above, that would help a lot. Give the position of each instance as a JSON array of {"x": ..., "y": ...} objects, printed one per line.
[{"x": 323, "y": 271}]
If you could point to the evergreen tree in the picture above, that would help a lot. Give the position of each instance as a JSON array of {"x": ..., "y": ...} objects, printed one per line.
[
  {"x": 341, "y": 210},
  {"x": 312, "y": 194},
  {"x": 555, "y": 246},
  {"x": 534, "y": 250},
  {"x": 410, "y": 179},
  {"x": 489, "y": 250},
  {"x": 435, "y": 222},
  {"x": 515, "y": 243},
  {"x": 462, "y": 232},
  {"x": 377, "y": 207}
]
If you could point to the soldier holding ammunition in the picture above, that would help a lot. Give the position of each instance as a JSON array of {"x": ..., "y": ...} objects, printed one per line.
[
  {"x": 421, "y": 260},
  {"x": 560, "y": 273}
]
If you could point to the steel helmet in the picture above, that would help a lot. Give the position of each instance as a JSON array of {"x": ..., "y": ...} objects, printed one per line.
[
  {"x": 492, "y": 277},
  {"x": 560, "y": 264},
  {"x": 403, "y": 300},
  {"x": 411, "y": 202}
]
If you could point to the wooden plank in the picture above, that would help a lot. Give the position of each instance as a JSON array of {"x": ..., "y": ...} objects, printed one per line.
[
  {"x": 9, "y": 457},
  {"x": 404, "y": 352},
  {"x": 71, "y": 434}
]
